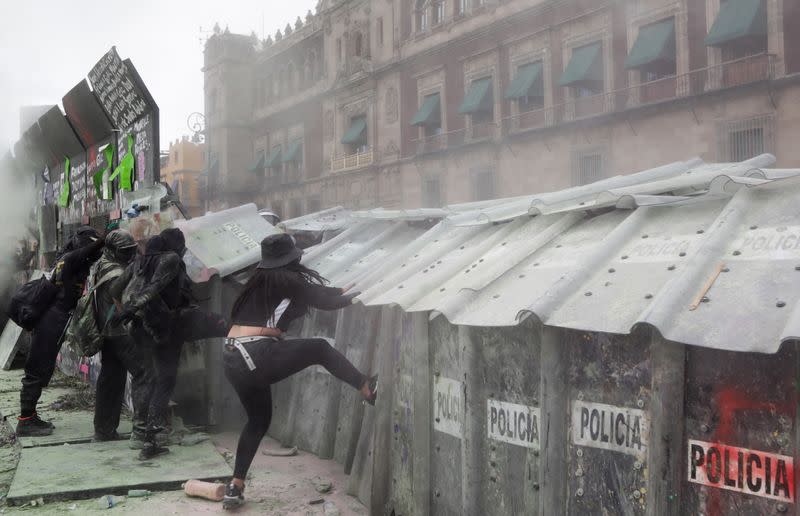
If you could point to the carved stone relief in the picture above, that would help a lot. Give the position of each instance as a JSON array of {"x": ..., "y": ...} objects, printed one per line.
[
  {"x": 391, "y": 148},
  {"x": 356, "y": 108},
  {"x": 480, "y": 64},
  {"x": 431, "y": 81}
]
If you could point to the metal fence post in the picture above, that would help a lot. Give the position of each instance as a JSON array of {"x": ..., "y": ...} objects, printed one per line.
[
  {"x": 554, "y": 431},
  {"x": 665, "y": 454},
  {"x": 422, "y": 414}
]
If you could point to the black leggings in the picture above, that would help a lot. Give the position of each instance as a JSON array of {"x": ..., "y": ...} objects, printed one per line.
[
  {"x": 41, "y": 363},
  {"x": 276, "y": 360},
  {"x": 119, "y": 357}
]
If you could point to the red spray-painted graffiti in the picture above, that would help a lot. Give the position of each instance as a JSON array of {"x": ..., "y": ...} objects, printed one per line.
[{"x": 718, "y": 464}]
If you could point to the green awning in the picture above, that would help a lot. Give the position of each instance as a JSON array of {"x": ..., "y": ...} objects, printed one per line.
[
  {"x": 274, "y": 158},
  {"x": 293, "y": 152},
  {"x": 258, "y": 164},
  {"x": 478, "y": 97},
  {"x": 655, "y": 44},
  {"x": 429, "y": 112},
  {"x": 586, "y": 66},
  {"x": 357, "y": 132},
  {"x": 527, "y": 83},
  {"x": 738, "y": 19}
]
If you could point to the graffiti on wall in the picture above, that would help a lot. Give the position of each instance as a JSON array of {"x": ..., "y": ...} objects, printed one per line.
[{"x": 740, "y": 469}]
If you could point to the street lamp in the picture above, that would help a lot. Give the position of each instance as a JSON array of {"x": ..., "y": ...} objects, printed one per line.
[{"x": 197, "y": 124}]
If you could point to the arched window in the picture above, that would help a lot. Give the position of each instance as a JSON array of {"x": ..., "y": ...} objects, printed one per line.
[
  {"x": 359, "y": 44},
  {"x": 292, "y": 78},
  {"x": 305, "y": 74},
  {"x": 284, "y": 84},
  {"x": 421, "y": 11},
  {"x": 312, "y": 65}
]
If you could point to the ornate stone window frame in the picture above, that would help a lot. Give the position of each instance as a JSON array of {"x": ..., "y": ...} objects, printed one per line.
[
  {"x": 477, "y": 66},
  {"x": 430, "y": 82},
  {"x": 639, "y": 18},
  {"x": 602, "y": 33},
  {"x": 531, "y": 49}
]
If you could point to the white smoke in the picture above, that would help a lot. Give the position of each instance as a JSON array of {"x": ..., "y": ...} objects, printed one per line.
[{"x": 17, "y": 200}]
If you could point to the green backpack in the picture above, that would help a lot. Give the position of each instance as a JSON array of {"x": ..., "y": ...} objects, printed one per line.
[{"x": 82, "y": 331}]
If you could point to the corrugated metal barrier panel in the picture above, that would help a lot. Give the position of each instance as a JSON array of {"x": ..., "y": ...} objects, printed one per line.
[
  {"x": 224, "y": 242},
  {"x": 626, "y": 347}
]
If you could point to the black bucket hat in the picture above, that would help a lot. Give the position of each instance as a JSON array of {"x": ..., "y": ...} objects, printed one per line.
[{"x": 277, "y": 251}]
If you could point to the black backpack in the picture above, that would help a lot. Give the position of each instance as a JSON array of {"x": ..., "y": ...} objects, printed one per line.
[{"x": 31, "y": 301}]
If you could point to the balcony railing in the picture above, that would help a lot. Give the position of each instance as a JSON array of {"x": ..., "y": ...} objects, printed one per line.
[
  {"x": 482, "y": 130},
  {"x": 432, "y": 143},
  {"x": 352, "y": 161},
  {"x": 697, "y": 82}
]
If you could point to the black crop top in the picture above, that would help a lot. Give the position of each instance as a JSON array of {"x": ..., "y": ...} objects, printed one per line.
[{"x": 298, "y": 295}]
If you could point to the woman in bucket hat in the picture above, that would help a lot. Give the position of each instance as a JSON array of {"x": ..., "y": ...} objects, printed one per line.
[{"x": 280, "y": 291}]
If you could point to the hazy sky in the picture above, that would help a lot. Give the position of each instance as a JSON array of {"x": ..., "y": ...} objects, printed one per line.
[{"x": 48, "y": 46}]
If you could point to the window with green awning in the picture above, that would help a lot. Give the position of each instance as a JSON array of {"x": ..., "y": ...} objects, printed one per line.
[
  {"x": 585, "y": 68},
  {"x": 429, "y": 112},
  {"x": 478, "y": 97},
  {"x": 527, "y": 82},
  {"x": 738, "y": 20},
  {"x": 275, "y": 157},
  {"x": 294, "y": 152},
  {"x": 357, "y": 132},
  {"x": 654, "y": 47},
  {"x": 258, "y": 163}
]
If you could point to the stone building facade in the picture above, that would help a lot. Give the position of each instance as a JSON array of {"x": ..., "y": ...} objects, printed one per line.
[
  {"x": 409, "y": 103},
  {"x": 181, "y": 168}
]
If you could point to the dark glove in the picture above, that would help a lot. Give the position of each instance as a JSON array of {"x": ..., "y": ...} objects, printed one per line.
[
  {"x": 127, "y": 315},
  {"x": 352, "y": 295}
]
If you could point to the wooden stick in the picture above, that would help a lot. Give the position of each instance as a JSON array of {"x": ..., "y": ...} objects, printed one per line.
[{"x": 706, "y": 287}]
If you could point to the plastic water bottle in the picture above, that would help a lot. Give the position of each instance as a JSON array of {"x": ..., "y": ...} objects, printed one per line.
[
  {"x": 138, "y": 493},
  {"x": 109, "y": 501}
]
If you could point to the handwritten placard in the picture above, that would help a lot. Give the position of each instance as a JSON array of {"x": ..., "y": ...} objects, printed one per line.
[
  {"x": 144, "y": 152},
  {"x": 77, "y": 179},
  {"x": 117, "y": 91}
]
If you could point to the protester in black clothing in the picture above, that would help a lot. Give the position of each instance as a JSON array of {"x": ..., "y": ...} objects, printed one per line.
[
  {"x": 120, "y": 354},
  {"x": 158, "y": 300},
  {"x": 69, "y": 275},
  {"x": 257, "y": 356}
]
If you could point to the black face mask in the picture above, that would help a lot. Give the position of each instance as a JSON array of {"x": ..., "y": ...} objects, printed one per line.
[{"x": 126, "y": 255}]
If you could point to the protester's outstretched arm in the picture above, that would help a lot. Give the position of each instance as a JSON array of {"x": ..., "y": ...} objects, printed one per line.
[
  {"x": 167, "y": 270},
  {"x": 321, "y": 297}
]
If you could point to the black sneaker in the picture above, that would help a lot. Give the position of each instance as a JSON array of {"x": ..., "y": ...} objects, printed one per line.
[
  {"x": 138, "y": 440},
  {"x": 33, "y": 426},
  {"x": 151, "y": 451},
  {"x": 234, "y": 497},
  {"x": 373, "y": 389}
]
